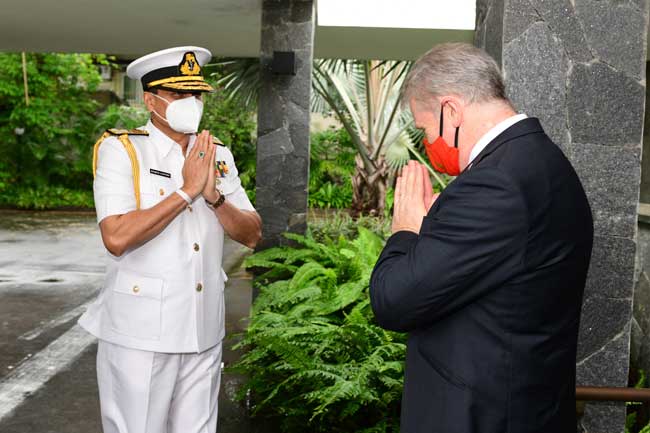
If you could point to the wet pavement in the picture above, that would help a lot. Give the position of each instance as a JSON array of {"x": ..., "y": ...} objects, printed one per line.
[{"x": 51, "y": 265}]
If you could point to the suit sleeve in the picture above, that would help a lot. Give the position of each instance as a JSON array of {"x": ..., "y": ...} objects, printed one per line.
[{"x": 470, "y": 243}]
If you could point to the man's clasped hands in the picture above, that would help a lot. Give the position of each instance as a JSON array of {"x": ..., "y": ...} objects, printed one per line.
[{"x": 414, "y": 197}]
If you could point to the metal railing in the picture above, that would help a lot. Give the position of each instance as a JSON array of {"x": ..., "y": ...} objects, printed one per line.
[{"x": 602, "y": 393}]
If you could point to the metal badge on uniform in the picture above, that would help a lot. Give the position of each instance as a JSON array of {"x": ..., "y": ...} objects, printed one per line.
[
  {"x": 160, "y": 173},
  {"x": 220, "y": 168}
]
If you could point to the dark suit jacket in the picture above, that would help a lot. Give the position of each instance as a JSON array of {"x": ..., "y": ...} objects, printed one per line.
[{"x": 490, "y": 293}]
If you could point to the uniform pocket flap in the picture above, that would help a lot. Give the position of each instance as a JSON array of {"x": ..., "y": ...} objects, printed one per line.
[{"x": 133, "y": 284}]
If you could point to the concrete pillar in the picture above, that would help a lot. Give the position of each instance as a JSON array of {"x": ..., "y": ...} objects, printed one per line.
[
  {"x": 283, "y": 120},
  {"x": 579, "y": 65}
]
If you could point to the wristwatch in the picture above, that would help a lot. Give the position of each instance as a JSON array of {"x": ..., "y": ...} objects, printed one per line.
[{"x": 218, "y": 202}]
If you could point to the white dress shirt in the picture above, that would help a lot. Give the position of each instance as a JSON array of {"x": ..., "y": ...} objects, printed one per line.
[
  {"x": 165, "y": 295},
  {"x": 492, "y": 134}
]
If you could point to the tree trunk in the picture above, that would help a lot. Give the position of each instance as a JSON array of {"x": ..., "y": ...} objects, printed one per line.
[{"x": 369, "y": 189}]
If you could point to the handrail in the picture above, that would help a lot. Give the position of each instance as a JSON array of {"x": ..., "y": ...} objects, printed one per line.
[{"x": 602, "y": 393}]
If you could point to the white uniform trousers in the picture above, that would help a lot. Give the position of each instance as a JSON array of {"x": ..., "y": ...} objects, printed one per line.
[{"x": 151, "y": 392}]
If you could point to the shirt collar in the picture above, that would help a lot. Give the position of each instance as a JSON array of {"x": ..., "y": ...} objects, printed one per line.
[
  {"x": 162, "y": 142},
  {"x": 492, "y": 134}
]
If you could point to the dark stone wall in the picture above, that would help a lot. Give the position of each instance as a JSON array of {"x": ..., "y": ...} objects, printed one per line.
[
  {"x": 283, "y": 120},
  {"x": 579, "y": 66}
]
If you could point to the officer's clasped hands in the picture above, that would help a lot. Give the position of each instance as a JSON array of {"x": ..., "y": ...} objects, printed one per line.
[{"x": 198, "y": 168}]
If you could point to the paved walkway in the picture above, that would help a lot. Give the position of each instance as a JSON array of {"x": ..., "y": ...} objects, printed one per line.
[{"x": 51, "y": 266}]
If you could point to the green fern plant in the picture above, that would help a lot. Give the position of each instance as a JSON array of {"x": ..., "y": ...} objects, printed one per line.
[{"x": 315, "y": 360}]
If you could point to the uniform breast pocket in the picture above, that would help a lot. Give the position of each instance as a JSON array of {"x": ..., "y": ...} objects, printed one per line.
[
  {"x": 155, "y": 189},
  {"x": 136, "y": 305},
  {"x": 162, "y": 187}
]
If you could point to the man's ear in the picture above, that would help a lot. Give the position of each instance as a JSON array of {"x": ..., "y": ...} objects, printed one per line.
[
  {"x": 456, "y": 108},
  {"x": 149, "y": 100}
]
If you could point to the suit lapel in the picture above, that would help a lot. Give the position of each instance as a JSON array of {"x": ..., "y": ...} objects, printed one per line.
[{"x": 527, "y": 126}]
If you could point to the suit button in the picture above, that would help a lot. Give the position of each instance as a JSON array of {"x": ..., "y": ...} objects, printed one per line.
[
  {"x": 189, "y": 208},
  {"x": 199, "y": 287},
  {"x": 136, "y": 289},
  {"x": 162, "y": 191},
  {"x": 196, "y": 247}
]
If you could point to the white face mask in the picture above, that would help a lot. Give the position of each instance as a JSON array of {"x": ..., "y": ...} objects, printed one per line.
[{"x": 183, "y": 115}]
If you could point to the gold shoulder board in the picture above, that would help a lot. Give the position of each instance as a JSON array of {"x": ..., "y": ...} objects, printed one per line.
[
  {"x": 215, "y": 140},
  {"x": 116, "y": 131},
  {"x": 123, "y": 136}
]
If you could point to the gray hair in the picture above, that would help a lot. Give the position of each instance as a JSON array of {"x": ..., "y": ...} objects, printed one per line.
[{"x": 454, "y": 68}]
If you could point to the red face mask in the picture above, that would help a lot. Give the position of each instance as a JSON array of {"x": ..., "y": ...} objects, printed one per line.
[{"x": 443, "y": 157}]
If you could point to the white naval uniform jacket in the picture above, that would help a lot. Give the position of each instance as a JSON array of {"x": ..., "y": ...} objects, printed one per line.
[{"x": 167, "y": 294}]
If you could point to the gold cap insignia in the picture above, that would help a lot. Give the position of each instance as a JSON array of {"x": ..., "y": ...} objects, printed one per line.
[{"x": 189, "y": 65}]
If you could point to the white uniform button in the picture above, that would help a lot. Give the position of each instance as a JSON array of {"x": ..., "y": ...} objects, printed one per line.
[
  {"x": 189, "y": 208},
  {"x": 196, "y": 247},
  {"x": 199, "y": 287},
  {"x": 161, "y": 191},
  {"x": 136, "y": 289}
]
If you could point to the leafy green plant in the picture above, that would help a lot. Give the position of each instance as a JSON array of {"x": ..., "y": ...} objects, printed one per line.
[
  {"x": 121, "y": 117},
  {"x": 330, "y": 169},
  {"x": 48, "y": 141},
  {"x": 632, "y": 421},
  {"x": 333, "y": 224},
  {"x": 316, "y": 360},
  {"x": 46, "y": 197},
  {"x": 331, "y": 195}
]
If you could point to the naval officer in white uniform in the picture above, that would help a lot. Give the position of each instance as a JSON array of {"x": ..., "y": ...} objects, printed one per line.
[{"x": 165, "y": 196}]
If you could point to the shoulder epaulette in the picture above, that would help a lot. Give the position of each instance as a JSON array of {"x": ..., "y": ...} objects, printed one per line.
[
  {"x": 116, "y": 131},
  {"x": 215, "y": 140},
  {"x": 123, "y": 136}
]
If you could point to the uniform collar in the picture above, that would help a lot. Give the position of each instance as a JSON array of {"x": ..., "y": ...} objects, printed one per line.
[
  {"x": 162, "y": 142},
  {"x": 492, "y": 134}
]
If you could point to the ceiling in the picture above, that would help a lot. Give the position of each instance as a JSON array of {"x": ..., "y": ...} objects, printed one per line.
[{"x": 226, "y": 27}]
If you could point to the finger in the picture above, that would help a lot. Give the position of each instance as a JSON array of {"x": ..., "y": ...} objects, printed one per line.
[
  {"x": 212, "y": 152},
  {"x": 203, "y": 140},
  {"x": 417, "y": 172},
  {"x": 193, "y": 151},
  {"x": 198, "y": 143},
  {"x": 426, "y": 185},
  {"x": 398, "y": 193},
  {"x": 201, "y": 144},
  {"x": 409, "y": 184}
]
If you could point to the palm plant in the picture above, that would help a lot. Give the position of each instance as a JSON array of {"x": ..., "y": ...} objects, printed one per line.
[{"x": 364, "y": 96}]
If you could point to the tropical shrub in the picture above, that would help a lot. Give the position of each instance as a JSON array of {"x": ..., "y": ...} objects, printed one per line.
[
  {"x": 316, "y": 360},
  {"x": 49, "y": 140},
  {"x": 331, "y": 168},
  {"x": 121, "y": 117},
  {"x": 46, "y": 197},
  {"x": 333, "y": 224}
]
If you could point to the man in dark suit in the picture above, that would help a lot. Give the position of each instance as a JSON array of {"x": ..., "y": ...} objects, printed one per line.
[{"x": 487, "y": 278}]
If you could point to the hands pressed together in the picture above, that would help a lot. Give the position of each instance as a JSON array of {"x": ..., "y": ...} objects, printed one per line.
[
  {"x": 414, "y": 197},
  {"x": 198, "y": 170}
]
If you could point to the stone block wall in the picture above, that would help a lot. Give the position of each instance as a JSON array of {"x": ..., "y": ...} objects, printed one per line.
[
  {"x": 283, "y": 120},
  {"x": 579, "y": 66}
]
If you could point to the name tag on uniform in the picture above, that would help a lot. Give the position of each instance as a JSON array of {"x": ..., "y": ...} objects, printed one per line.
[{"x": 160, "y": 173}]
